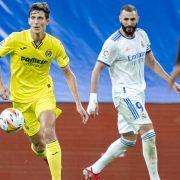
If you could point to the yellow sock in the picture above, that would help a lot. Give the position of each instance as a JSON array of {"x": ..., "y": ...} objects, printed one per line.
[
  {"x": 53, "y": 152},
  {"x": 39, "y": 154}
]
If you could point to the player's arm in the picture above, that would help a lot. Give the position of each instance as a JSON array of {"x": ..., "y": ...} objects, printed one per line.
[
  {"x": 106, "y": 57},
  {"x": 158, "y": 69},
  {"x": 6, "y": 47},
  {"x": 176, "y": 71},
  {"x": 63, "y": 62},
  {"x": 93, "y": 103},
  {"x": 72, "y": 84},
  {"x": 4, "y": 92}
]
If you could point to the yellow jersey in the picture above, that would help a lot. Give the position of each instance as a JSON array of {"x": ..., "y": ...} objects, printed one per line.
[{"x": 30, "y": 64}]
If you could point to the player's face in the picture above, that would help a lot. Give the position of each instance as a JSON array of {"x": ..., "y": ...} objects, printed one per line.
[
  {"x": 38, "y": 21},
  {"x": 129, "y": 22}
]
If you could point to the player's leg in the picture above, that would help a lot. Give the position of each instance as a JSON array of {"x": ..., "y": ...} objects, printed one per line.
[
  {"x": 148, "y": 136},
  {"x": 118, "y": 147},
  {"x": 32, "y": 128},
  {"x": 38, "y": 144},
  {"x": 149, "y": 150},
  {"x": 53, "y": 150},
  {"x": 47, "y": 113},
  {"x": 144, "y": 124}
]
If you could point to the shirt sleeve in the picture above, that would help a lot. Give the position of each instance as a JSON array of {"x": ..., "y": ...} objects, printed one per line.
[
  {"x": 148, "y": 49},
  {"x": 7, "y": 45},
  {"x": 108, "y": 53},
  {"x": 147, "y": 41},
  {"x": 61, "y": 56}
]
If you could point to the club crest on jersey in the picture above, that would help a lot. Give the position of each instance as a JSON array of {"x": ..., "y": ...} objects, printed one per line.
[
  {"x": 48, "y": 53},
  {"x": 106, "y": 53}
]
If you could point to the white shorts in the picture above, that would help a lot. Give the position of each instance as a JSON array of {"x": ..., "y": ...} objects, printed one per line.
[{"x": 131, "y": 113}]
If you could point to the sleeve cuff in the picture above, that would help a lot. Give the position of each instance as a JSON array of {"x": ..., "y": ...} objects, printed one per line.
[{"x": 103, "y": 63}]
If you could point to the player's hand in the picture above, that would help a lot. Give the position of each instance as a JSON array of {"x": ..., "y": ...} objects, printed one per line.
[
  {"x": 4, "y": 92},
  {"x": 93, "y": 108},
  {"x": 83, "y": 113},
  {"x": 175, "y": 74}
]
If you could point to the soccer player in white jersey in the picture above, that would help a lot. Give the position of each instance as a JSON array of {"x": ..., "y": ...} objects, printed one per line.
[{"x": 125, "y": 52}]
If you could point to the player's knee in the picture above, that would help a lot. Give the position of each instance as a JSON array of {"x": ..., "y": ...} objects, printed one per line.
[
  {"x": 47, "y": 119},
  {"x": 128, "y": 140},
  {"x": 146, "y": 128},
  {"x": 39, "y": 146},
  {"x": 130, "y": 136},
  {"x": 127, "y": 143}
]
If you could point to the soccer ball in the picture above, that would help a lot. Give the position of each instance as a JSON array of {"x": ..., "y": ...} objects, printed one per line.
[{"x": 11, "y": 120}]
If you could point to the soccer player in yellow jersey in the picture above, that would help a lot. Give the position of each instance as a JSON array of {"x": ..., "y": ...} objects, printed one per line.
[{"x": 31, "y": 87}]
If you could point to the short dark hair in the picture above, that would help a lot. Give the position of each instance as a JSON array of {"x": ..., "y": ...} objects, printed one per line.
[
  {"x": 40, "y": 6},
  {"x": 129, "y": 8}
]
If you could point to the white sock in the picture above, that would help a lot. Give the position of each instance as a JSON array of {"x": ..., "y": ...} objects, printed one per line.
[
  {"x": 150, "y": 154},
  {"x": 115, "y": 150}
]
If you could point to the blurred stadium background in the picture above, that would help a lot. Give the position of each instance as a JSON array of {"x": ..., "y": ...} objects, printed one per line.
[{"x": 83, "y": 26}]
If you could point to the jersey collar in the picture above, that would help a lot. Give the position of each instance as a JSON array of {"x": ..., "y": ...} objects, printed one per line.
[
  {"x": 32, "y": 41},
  {"x": 126, "y": 36}
]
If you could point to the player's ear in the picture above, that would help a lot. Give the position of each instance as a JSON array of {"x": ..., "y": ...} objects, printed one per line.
[
  {"x": 47, "y": 21},
  {"x": 138, "y": 19},
  {"x": 120, "y": 18},
  {"x": 29, "y": 21}
]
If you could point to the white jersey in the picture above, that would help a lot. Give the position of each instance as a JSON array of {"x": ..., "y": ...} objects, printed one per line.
[{"x": 125, "y": 58}]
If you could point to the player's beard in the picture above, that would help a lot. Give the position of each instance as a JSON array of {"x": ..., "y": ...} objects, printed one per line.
[{"x": 128, "y": 32}]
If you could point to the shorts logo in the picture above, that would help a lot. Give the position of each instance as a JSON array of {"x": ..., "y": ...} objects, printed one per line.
[
  {"x": 106, "y": 53},
  {"x": 143, "y": 115},
  {"x": 48, "y": 53}
]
